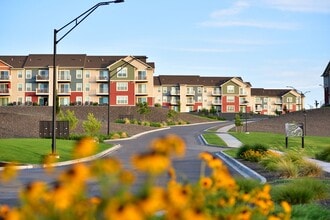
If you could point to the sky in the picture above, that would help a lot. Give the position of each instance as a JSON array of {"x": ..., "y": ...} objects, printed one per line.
[{"x": 269, "y": 43}]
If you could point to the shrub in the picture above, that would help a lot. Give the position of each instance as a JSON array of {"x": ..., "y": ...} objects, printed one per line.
[
  {"x": 309, "y": 211},
  {"x": 262, "y": 149},
  {"x": 251, "y": 155},
  {"x": 91, "y": 126},
  {"x": 248, "y": 185},
  {"x": 300, "y": 191},
  {"x": 324, "y": 154}
]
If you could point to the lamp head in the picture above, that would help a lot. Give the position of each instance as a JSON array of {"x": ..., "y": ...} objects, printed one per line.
[{"x": 118, "y": 1}]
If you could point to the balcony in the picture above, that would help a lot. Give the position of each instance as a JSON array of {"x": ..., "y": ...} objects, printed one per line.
[
  {"x": 216, "y": 92},
  {"x": 175, "y": 102},
  {"x": 64, "y": 91},
  {"x": 190, "y": 92},
  {"x": 141, "y": 92},
  {"x": 141, "y": 79},
  {"x": 175, "y": 92},
  {"x": 216, "y": 102},
  {"x": 42, "y": 78},
  {"x": 65, "y": 78},
  {"x": 4, "y": 78},
  {"x": 102, "y": 91},
  {"x": 42, "y": 91},
  {"x": 190, "y": 102},
  {"x": 4, "y": 91},
  {"x": 102, "y": 79}
]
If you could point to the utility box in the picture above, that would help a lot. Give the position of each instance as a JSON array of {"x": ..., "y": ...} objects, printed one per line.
[{"x": 46, "y": 129}]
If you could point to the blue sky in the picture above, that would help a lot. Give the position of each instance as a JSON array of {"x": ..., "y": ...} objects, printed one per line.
[{"x": 269, "y": 43}]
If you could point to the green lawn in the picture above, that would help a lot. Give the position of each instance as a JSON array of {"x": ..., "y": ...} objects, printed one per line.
[
  {"x": 313, "y": 144},
  {"x": 213, "y": 139},
  {"x": 32, "y": 150}
]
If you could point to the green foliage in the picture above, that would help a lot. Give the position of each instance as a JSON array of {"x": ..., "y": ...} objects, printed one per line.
[
  {"x": 158, "y": 105},
  {"x": 69, "y": 116},
  {"x": 248, "y": 185},
  {"x": 143, "y": 108},
  {"x": 309, "y": 211},
  {"x": 91, "y": 126},
  {"x": 324, "y": 154},
  {"x": 300, "y": 191},
  {"x": 172, "y": 115},
  {"x": 238, "y": 122},
  {"x": 255, "y": 147}
]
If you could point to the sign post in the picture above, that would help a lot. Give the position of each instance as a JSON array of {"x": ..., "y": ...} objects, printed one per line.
[{"x": 294, "y": 130}]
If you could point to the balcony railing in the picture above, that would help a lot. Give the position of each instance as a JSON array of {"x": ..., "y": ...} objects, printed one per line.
[
  {"x": 190, "y": 92},
  {"x": 141, "y": 78},
  {"x": 102, "y": 79},
  {"x": 216, "y": 92},
  {"x": 65, "y": 91},
  {"x": 4, "y": 91},
  {"x": 42, "y": 91},
  {"x": 42, "y": 78},
  {"x": 176, "y": 92},
  {"x": 216, "y": 102},
  {"x": 141, "y": 92},
  {"x": 64, "y": 78},
  {"x": 5, "y": 78},
  {"x": 102, "y": 91}
]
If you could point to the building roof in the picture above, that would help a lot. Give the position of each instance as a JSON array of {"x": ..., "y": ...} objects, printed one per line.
[
  {"x": 189, "y": 80},
  {"x": 268, "y": 92},
  {"x": 65, "y": 60},
  {"x": 326, "y": 71}
]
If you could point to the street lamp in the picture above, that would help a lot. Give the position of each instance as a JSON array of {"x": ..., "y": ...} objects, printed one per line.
[
  {"x": 75, "y": 23},
  {"x": 246, "y": 128}
]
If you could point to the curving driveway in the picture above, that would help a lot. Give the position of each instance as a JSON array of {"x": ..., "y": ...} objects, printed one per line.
[{"x": 188, "y": 168}]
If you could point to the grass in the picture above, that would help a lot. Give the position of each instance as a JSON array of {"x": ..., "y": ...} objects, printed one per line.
[
  {"x": 313, "y": 144},
  {"x": 213, "y": 139},
  {"x": 33, "y": 150}
]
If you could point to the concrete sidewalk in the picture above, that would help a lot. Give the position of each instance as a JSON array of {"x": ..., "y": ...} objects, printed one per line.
[{"x": 234, "y": 143}]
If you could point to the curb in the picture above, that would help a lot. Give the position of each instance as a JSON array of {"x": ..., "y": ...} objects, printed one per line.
[{"x": 239, "y": 167}]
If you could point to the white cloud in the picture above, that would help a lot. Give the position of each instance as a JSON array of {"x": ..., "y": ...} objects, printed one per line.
[
  {"x": 322, "y": 6},
  {"x": 254, "y": 24},
  {"x": 234, "y": 10}
]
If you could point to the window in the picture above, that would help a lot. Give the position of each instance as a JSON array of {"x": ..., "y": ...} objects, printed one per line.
[
  {"x": 4, "y": 74},
  {"x": 289, "y": 99},
  {"x": 28, "y": 74},
  {"x": 64, "y": 101},
  {"x": 122, "y": 86},
  {"x": 165, "y": 90},
  {"x": 199, "y": 90},
  {"x": 199, "y": 98},
  {"x": 230, "y": 89},
  {"x": 230, "y": 99},
  {"x": 19, "y": 100},
  {"x": 122, "y": 100},
  {"x": 28, "y": 87},
  {"x": 87, "y": 74},
  {"x": 265, "y": 99},
  {"x": 78, "y": 87},
  {"x": 165, "y": 99},
  {"x": 20, "y": 87},
  {"x": 28, "y": 99},
  {"x": 64, "y": 88},
  {"x": 142, "y": 88},
  {"x": 79, "y": 100},
  {"x": 87, "y": 87},
  {"x": 230, "y": 108},
  {"x": 103, "y": 88},
  {"x": 142, "y": 100},
  {"x": 142, "y": 75},
  {"x": 20, "y": 74},
  {"x": 122, "y": 72},
  {"x": 64, "y": 75},
  {"x": 103, "y": 100},
  {"x": 78, "y": 74},
  {"x": 103, "y": 75}
]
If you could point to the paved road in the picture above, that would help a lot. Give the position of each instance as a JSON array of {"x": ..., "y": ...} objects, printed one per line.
[{"x": 188, "y": 168}]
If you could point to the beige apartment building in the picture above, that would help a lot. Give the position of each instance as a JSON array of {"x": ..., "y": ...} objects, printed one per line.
[{"x": 127, "y": 80}]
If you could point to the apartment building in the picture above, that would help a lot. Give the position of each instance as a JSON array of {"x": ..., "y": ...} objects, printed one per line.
[
  {"x": 193, "y": 93},
  {"x": 326, "y": 84},
  {"x": 276, "y": 101},
  {"x": 81, "y": 80},
  {"x": 127, "y": 80}
]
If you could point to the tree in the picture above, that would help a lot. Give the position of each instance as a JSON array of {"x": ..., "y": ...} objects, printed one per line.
[
  {"x": 92, "y": 126},
  {"x": 172, "y": 114},
  {"x": 143, "y": 109},
  {"x": 238, "y": 123},
  {"x": 69, "y": 116}
]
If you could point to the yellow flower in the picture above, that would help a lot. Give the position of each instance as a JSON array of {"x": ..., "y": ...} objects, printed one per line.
[
  {"x": 34, "y": 192},
  {"x": 244, "y": 215},
  {"x": 127, "y": 211},
  {"x": 153, "y": 202},
  {"x": 13, "y": 214},
  {"x": 48, "y": 162},
  {"x": 126, "y": 177},
  {"x": 62, "y": 197},
  {"x": 169, "y": 145},
  {"x": 106, "y": 166},
  {"x": 85, "y": 147},
  {"x": 151, "y": 163},
  {"x": 286, "y": 206},
  {"x": 195, "y": 214},
  {"x": 206, "y": 156},
  {"x": 206, "y": 182},
  {"x": 179, "y": 195},
  {"x": 9, "y": 172},
  {"x": 78, "y": 174}
]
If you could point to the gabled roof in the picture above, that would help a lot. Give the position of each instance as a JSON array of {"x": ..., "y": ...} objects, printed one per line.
[
  {"x": 326, "y": 71},
  {"x": 65, "y": 60},
  {"x": 268, "y": 92},
  {"x": 14, "y": 61},
  {"x": 190, "y": 80}
]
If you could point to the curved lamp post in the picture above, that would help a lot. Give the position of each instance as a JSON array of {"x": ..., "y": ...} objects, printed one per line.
[{"x": 75, "y": 23}]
